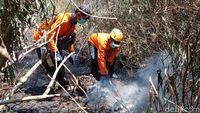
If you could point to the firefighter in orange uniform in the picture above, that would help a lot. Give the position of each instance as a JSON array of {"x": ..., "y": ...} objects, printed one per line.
[
  {"x": 64, "y": 35},
  {"x": 103, "y": 49}
]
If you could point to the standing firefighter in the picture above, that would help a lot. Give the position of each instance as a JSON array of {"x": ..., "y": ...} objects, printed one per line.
[
  {"x": 63, "y": 37},
  {"x": 103, "y": 50}
]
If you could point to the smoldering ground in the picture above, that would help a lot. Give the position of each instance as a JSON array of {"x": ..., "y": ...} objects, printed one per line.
[{"x": 132, "y": 95}]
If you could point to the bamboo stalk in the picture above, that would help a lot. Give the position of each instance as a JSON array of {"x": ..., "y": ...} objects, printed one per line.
[
  {"x": 156, "y": 94},
  {"x": 35, "y": 45},
  {"x": 39, "y": 97},
  {"x": 171, "y": 88},
  {"x": 197, "y": 98}
]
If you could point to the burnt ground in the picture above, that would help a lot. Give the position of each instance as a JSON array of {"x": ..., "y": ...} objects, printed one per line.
[
  {"x": 127, "y": 93},
  {"x": 129, "y": 90},
  {"x": 37, "y": 83}
]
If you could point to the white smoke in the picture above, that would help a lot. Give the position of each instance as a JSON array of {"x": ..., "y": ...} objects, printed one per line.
[{"x": 134, "y": 94}]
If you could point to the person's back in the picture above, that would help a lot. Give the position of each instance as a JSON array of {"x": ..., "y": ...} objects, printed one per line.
[
  {"x": 99, "y": 40},
  {"x": 64, "y": 27}
]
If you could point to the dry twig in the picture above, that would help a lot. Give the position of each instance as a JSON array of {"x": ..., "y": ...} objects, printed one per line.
[
  {"x": 24, "y": 78},
  {"x": 176, "y": 105},
  {"x": 55, "y": 74},
  {"x": 110, "y": 18},
  {"x": 75, "y": 80},
  {"x": 39, "y": 97},
  {"x": 156, "y": 94},
  {"x": 70, "y": 96}
]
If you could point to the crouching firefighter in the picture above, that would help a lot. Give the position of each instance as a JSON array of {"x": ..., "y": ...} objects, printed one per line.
[
  {"x": 62, "y": 39},
  {"x": 103, "y": 49}
]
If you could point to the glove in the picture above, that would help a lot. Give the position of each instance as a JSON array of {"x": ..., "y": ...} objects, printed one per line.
[
  {"x": 72, "y": 59},
  {"x": 57, "y": 56},
  {"x": 114, "y": 75},
  {"x": 104, "y": 81},
  {"x": 111, "y": 70},
  {"x": 43, "y": 52}
]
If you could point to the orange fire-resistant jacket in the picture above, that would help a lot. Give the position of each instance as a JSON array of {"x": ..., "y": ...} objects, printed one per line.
[
  {"x": 65, "y": 30},
  {"x": 102, "y": 42},
  {"x": 39, "y": 31}
]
